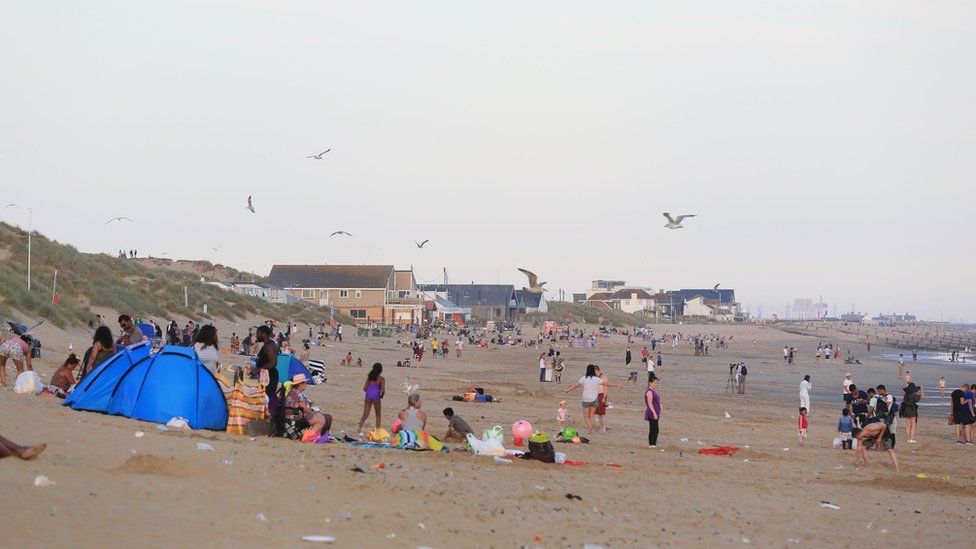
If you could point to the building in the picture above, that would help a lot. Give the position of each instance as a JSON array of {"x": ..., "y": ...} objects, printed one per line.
[
  {"x": 531, "y": 302},
  {"x": 633, "y": 300},
  {"x": 367, "y": 293},
  {"x": 486, "y": 301},
  {"x": 267, "y": 292},
  {"x": 601, "y": 300},
  {"x": 719, "y": 305},
  {"x": 604, "y": 286}
]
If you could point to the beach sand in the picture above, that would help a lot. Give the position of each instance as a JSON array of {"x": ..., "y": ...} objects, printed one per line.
[{"x": 114, "y": 489}]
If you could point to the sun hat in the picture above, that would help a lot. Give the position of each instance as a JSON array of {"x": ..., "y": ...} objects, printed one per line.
[
  {"x": 299, "y": 378},
  {"x": 540, "y": 437}
]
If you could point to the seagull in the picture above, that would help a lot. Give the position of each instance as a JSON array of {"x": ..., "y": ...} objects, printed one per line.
[
  {"x": 421, "y": 244},
  {"x": 250, "y": 205},
  {"x": 340, "y": 233},
  {"x": 676, "y": 223},
  {"x": 727, "y": 416},
  {"x": 217, "y": 249},
  {"x": 118, "y": 219},
  {"x": 534, "y": 285},
  {"x": 715, "y": 289},
  {"x": 11, "y": 205},
  {"x": 319, "y": 156},
  {"x": 408, "y": 387}
]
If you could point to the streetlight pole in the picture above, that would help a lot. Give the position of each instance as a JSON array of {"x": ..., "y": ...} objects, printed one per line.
[{"x": 30, "y": 219}]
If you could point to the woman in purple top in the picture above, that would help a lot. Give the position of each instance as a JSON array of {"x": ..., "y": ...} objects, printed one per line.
[
  {"x": 652, "y": 411},
  {"x": 375, "y": 389}
]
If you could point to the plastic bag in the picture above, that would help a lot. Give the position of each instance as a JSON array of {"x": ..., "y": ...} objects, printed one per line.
[
  {"x": 28, "y": 383},
  {"x": 490, "y": 446},
  {"x": 837, "y": 442},
  {"x": 378, "y": 435}
]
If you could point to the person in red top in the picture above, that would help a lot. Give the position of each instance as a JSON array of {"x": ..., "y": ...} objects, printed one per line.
[
  {"x": 802, "y": 425},
  {"x": 644, "y": 354}
]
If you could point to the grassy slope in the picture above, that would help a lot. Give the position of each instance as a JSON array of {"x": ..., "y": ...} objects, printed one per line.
[
  {"x": 572, "y": 312},
  {"x": 86, "y": 280}
]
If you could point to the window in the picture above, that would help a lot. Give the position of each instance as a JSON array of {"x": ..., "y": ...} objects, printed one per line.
[
  {"x": 404, "y": 294},
  {"x": 498, "y": 313},
  {"x": 357, "y": 313},
  {"x": 343, "y": 293},
  {"x": 359, "y": 294},
  {"x": 308, "y": 294}
]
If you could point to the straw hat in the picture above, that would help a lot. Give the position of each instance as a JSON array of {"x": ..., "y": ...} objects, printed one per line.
[{"x": 299, "y": 378}]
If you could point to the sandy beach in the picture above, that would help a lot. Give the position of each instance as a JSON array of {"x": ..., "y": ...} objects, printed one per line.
[{"x": 114, "y": 489}]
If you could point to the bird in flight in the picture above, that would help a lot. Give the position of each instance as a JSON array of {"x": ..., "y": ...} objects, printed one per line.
[
  {"x": 217, "y": 249},
  {"x": 319, "y": 156},
  {"x": 421, "y": 244},
  {"x": 715, "y": 289},
  {"x": 534, "y": 284},
  {"x": 340, "y": 233},
  {"x": 250, "y": 204},
  {"x": 120, "y": 218},
  {"x": 11, "y": 205},
  {"x": 675, "y": 223}
]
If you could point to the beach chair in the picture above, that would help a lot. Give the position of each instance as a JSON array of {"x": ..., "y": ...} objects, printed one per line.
[
  {"x": 283, "y": 426},
  {"x": 317, "y": 368}
]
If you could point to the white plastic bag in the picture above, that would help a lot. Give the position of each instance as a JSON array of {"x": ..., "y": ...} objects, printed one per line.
[
  {"x": 837, "y": 442},
  {"x": 28, "y": 383},
  {"x": 490, "y": 446}
]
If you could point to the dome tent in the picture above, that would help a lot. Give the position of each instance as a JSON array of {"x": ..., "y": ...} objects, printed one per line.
[
  {"x": 172, "y": 383},
  {"x": 288, "y": 367},
  {"x": 94, "y": 392}
]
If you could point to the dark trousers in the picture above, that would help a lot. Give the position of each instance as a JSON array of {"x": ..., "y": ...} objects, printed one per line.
[
  {"x": 650, "y": 376},
  {"x": 652, "y": 430},
  {"x": 272, "y": 389},
  {"x": 542, "y": 374}
]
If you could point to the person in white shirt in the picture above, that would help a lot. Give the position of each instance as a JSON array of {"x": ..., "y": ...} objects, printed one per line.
[
  {"x": 207, "y": 348},
  {"x": 847, "y": 384},
  {"x": 591, "y": 384},
  {"x": 542, "y": 367},
  {"x": 650, "y": 368},
  {"x": 805, "y": 387}
]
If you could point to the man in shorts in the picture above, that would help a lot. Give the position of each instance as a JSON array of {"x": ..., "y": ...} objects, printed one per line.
[{"x": 870, "y": 435}]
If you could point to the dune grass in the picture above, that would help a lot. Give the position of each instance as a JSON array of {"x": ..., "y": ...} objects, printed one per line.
[{"x": 99, "y": 280}]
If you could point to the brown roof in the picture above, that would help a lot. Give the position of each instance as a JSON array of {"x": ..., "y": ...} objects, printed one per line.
[
  {"x": 600, "y": 296},
  {"x": 627, "y": 292},
  {"x": 331, "y": 276}
]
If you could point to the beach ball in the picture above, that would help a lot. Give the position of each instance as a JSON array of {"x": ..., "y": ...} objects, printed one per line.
[{"x": 521, "y": 429}]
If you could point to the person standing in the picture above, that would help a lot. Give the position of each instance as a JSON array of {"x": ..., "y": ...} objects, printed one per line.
[
  {"x": 649, "y": 363},
  {"x": 805, "y": 387},
  {"x": 591, "y": 384},
  {"x": 901, "y": 365},
  {"x": 802, "y": 425},
  {"x": 627, "y": 357},
  {"x": 459, "y": 347},
  {"x": 543, "y": 364},
  {"x": 644, "y": 354},
  {"x": 602, "y": 401},
  {"x": 375, "y": 390},
  {"x": 267, "y": 361},
  {"x": 338, "y": 336},
  {"x": 909, "y": 409},
  {"x": 652, "y": 412}
]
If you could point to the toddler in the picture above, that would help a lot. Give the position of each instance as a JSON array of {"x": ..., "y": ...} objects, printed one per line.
[
  {"x": 561, "y": 414},
  {"x": 802, "y": 425}
]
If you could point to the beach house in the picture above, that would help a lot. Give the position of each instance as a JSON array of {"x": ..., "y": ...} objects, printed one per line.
[{"x": 486, "y": 301}]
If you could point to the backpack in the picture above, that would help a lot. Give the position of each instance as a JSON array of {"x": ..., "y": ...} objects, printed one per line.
[
  {"x": 743, "y": 370},
  {"x": 881, "y": 410}
]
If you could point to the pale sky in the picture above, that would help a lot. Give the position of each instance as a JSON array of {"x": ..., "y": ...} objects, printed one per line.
[{"x": 807, "y": 136}]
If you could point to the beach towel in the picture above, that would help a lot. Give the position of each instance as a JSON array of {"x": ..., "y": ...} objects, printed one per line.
[
  {"x": 245, "y": 403},
  {"x": 719, "y": 451},
  {"x": 416, "y": 440}
]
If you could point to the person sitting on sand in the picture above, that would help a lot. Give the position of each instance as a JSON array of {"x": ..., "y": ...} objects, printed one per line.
[
  {"x": 871, "y": 434},
  {"x": 299, "y": 405},
  {"x": 411, "y": 417},
  {"x": 63, "y": 378},
  {"x": 9, "y": 448},
  {"x": 457, "y": 428}
]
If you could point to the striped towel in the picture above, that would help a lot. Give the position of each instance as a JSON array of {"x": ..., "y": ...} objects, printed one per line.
[
  {"x": 317, "y": 367},
  {"x": 245, "y": 403}
]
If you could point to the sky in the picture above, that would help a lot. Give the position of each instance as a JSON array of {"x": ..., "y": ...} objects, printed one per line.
[{"x": 826, "y": 147}]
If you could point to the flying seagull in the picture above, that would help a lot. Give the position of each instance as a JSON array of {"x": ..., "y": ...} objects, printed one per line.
[
  {"x": 340, "y": 233},
  {"x": 118, "y": 219},
  {"x": 534, "y": 285},
  {"x": 217, "y": 249},
  {"x": 421, "y": 244},
  {"x": 250, "y": 205},
  {"x": 676, "y": 223},
  {"x": 319, "y": 156},
  {"x": 715, "y": 289},
  {"x": 11, "y": 205}
]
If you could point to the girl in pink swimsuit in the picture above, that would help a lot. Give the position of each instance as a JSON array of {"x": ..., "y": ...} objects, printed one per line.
[{"x": 375, "y": 389}]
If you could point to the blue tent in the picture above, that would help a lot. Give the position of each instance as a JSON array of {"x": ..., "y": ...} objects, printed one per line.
[
  {"x": 289, "y": 367},
  {"x": 172, "y": 383},
  {"x": 95, "y": 391}
]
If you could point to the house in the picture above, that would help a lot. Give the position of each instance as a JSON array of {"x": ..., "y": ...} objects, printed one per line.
[
  {"x": 604, "y": 286},
  {"x": 633, "y": 300},
  {"x": 442, "y": 309},
  {"x": 374, "y": 293},
  {"x": 600, "y": 300},
  {"x": 531, "y": 302},
  {"x": 267, "y": 292},
  {"x": 486, "y": 301}
]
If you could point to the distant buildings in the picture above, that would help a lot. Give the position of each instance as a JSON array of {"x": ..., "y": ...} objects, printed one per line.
[
  {"x": 486, "y": 301},
  {"x": 719, "y": 305},
  {"x": 267, "y": 292}
]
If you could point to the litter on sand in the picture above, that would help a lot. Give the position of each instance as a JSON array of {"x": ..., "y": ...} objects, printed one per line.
[
  {"x": 204, "y": 447},
  {"x": 140, "y": 434},
  {"x": 161, "y": 428},
  {"x": 500, "y": 459},
  {"x": 828, "y": 505},
  {"x": 42, "y": 481},
  {"x": 574, "y": 496},
  {"x": 719, "y": 451},
  {"x": 262, "y": 518},
  {"x": 319, "y": 539}
]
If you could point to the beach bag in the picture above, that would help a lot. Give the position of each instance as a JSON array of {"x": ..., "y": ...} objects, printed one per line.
[
  {"x": 491, "y": 443},
  {"x": 28, "y": 383},
  {"x": 378, "y": 435},
  {"x": 541, "y": 451}
]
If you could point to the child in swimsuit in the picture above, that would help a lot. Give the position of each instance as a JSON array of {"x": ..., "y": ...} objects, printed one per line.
[{"x": 375, "y": 389}]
